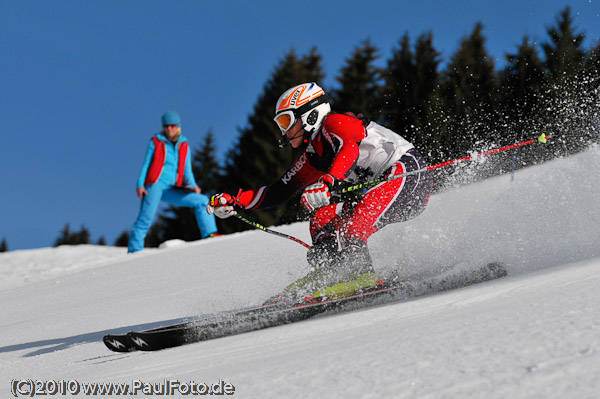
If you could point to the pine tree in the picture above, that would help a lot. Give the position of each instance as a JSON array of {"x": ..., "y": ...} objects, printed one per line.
[
  {"x": 3, "y": 245},
  {"x": 564, "y": 55},
  {"x": 207, "y": 170},
  {"x": 523, "y": 76},
  {"x": 521, "y": 83},
  {"x": 359, "y": 91},
  {"x": 122, "y": 240},
  {"x": 67, "y": 237},
  {"x": 564, "y": 94},
  {"x": 64, "y": 237},
  {"x": 400, "y": 77},
  {"x": 469, "y": 93},
  {"x": 427, "y": 60},
  {"x": 83, "y": 236},
  {"x": 470, "y": 75},
  {"x": 101, "y": 241},
  {"x": 410, "y": 82}
]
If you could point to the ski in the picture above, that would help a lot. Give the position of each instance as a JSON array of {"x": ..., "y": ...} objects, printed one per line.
[
  {"x": 118, "y": 343},
  {"x": 122, "y": 342},
  {"x": 227, "y": 323},
  {"x": 249, "y": 320},
  {"x": 281, "y": 313}
]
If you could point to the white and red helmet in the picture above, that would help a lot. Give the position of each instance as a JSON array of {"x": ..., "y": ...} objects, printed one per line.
[{"x": 306, "y": 101}]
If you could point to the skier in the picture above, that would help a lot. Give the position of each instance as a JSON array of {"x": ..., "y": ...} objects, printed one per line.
[
  {"x": 167, "y": 167},
  {"x": 339, "y": 148}
]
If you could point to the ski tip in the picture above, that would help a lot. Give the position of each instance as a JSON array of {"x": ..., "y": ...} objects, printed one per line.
[
  {"x": 543, "y": 138},
  {"x": 118, "y": 343}
]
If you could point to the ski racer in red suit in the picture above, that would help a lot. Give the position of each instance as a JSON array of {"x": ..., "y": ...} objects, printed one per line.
[{"x": 339, "y": 148}]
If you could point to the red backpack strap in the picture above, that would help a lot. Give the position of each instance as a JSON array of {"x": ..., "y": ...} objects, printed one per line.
[
  {"x": 183, "y": 152},
  {"x": 158, "y": 161}
]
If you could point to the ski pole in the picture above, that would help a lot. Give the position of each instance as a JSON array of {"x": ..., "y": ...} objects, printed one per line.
[
  {"x": 257, "y": 225},
  {"x": 542, "y": 139},
  {"x": 266, "y": 230}
]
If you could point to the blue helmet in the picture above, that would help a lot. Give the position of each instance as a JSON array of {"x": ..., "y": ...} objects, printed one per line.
[{"x": 171, "y": 118}]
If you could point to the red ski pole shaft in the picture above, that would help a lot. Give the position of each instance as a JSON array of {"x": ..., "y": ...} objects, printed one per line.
[
  {"x": 541, "y": 139},
  {"x": 358, "y": 186}
]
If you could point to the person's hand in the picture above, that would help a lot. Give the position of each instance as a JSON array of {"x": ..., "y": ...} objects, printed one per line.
[
  {"x": 141, "y": 192},
  {"x": 197, "y": 190},
  {"x": 221, "y": 205},
  {"x": 318, "y": 194}
]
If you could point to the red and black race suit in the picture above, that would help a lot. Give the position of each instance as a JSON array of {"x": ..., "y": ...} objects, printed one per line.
[{"x": 334, "y": 150}]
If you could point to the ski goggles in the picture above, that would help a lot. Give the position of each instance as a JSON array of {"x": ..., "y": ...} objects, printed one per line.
[{"x": 286, "y": 119}]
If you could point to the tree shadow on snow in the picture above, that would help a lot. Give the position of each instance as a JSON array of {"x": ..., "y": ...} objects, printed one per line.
[{"x": 57, "y": 344}]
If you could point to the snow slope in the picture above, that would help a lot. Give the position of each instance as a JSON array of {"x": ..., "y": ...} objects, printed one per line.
[{"x": 534, "y": 334}]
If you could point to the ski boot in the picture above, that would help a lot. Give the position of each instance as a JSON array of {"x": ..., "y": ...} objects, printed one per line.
[
  {"x": 336, "y": 274},
  {"x": 323, "y": 259},
  {"x": 354, "y": 272},
  {"x": 323, "y": 253}
]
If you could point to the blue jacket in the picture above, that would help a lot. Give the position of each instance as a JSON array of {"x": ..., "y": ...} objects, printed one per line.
[{"x": 167, "y": 171}]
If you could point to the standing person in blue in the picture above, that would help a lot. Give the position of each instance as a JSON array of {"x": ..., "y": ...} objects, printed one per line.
[{"x": 166, "y": 171}]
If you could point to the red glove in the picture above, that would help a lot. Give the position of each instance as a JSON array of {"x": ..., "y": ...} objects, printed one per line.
[
  {"x": 221, "y": 205},
  {"x": 318, "y": 194}
]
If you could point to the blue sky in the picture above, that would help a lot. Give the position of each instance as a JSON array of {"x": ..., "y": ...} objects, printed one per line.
[{"x": 83, "y": 83}]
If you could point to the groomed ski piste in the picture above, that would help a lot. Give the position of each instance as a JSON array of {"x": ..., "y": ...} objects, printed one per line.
[{"x": 533, "y": 334}]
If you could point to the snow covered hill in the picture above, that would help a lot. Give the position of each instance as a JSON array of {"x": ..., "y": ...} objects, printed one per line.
[{"x": 534, "y": 334}]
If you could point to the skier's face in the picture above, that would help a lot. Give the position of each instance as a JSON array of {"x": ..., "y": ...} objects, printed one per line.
[
  {"x": 171, "y": 132},
  {"x": 295, "y": 134}
]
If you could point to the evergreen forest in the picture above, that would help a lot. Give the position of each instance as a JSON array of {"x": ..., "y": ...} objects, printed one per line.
[{"x": 447, "y": 108}]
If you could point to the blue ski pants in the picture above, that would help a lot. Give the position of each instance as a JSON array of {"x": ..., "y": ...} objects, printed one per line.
[{"x": 163, "y": 192}]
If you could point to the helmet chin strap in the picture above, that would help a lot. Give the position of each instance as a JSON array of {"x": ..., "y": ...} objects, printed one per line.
[
  {"x": 286, "y": 141},
  {"x": 307, "y": 134}
]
